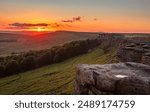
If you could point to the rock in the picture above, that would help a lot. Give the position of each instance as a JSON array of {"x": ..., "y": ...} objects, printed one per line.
[
  {"x": 146, "y": 46},
  {"x": 134, "y": 52},
  {"x": 129, "y": 55},
  {"x": 131, "y": 45},
  {"x": 146, "y": 59},
  {"x": 133, "y": 85},
  {"x": 147, "y": 54},
  {"x": 119, "y": 78}
]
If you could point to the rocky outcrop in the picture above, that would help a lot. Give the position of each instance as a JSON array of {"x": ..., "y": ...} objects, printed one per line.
[
  {"x": 135, "y": 52},
  {"x": 121, "y": 78}
]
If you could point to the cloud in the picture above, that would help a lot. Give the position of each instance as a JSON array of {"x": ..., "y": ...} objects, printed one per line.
[
  {"x": 74, "y": 19},
  {"x": 56, "y": 25},
  {"x": 28, "y": 24},
  {"x": 95, "y": 19},
  {"x": 77, "y": 18},
  {"x": 67, "y": 21}
]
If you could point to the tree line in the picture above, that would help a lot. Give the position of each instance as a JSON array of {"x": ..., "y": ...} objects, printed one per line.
[{"x": 15, "y": 64}]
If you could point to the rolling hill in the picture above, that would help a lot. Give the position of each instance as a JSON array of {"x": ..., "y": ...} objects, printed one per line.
[
  {"x": 22, "y": 42},
  {"x": 53, "y": 79}
]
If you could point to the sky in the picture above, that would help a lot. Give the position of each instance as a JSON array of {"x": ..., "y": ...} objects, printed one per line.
[{"x": 75, "y": 15}]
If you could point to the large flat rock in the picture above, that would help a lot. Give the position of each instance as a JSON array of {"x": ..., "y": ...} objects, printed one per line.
[
  {"x": 121, "y": 78},
  {"x": 135, "y": 52}
]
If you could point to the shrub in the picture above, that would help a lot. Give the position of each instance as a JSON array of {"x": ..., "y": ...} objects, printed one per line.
[
  {"x": 59, "y": 55},
  {"x": 12, "y": 67},
  {"x": 45, "y": 59},
  {"x": 28, "y": 63},
  {"x": 2, "y": 70}
]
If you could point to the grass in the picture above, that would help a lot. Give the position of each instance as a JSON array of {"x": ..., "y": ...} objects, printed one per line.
[{"x": 52, "y": 79}]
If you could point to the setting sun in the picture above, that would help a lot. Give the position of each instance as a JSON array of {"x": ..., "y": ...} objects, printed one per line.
[
  {"x": 101, "y": 16},
  {"x": 39, "y": 29}
]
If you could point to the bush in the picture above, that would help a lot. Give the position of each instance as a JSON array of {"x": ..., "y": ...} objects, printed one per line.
[
  {"x": 28, "y": 63},
  {"x": 45, "y": 59},
  {"x": 2, "y": 70},
  {"x": 12, "y": 67},
  {"x": 59, "y": 55}
]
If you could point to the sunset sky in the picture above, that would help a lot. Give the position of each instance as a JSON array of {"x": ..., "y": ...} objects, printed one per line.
[{"x": 75, "y": 15}]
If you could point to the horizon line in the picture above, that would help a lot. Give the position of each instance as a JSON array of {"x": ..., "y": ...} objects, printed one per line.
[{"x": 8, "y": 31}]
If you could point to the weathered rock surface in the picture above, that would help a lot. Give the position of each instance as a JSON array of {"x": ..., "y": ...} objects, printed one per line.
[
  {"x": 135, "y": 52},
  {"x": 121, "y": 78}
]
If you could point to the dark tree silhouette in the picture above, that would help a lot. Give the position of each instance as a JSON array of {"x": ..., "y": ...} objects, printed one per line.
[
  {"x": 2, "y": 71},
  {"x": 28, "y": 63},
  {"x": 12, "y": 67}
]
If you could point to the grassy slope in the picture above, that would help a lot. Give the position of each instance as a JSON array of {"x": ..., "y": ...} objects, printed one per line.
[{"x": 52, "y": 79}]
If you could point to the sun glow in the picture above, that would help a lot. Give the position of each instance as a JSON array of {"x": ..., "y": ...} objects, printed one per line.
[{"x": 40, "y": 29}]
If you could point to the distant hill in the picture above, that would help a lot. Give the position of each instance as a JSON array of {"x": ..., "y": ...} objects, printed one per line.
[{"x": 20, "y": 42}]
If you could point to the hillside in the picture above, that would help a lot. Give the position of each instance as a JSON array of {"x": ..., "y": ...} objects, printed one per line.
[
  {"x": 21, "y": 42},
  {"x": 53, "y": 79}
]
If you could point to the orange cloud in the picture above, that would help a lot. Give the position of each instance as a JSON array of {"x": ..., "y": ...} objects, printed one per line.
[
  {"x": 31, "y": 26},
  {"x": 28, "y": 24},
  {"x": 74, "y": 19}
]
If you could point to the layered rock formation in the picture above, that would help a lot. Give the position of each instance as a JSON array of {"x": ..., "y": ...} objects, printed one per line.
[
  {"x": 122, "y": 78},
  {"x": 135, "y": 52}
]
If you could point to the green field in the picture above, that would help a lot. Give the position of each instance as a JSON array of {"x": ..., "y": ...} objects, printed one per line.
[{"x": 53, "y": 79}]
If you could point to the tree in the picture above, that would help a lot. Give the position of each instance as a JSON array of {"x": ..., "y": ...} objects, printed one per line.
[
  {"x": 28, "y": 63},
  {"x": 59, "y": 55},
  {"x": 2, "y": 70},
  {"x": 12, "y": 67},
  {"x": 84, "y": 46},
  {"x": 45, "y": 59}
]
